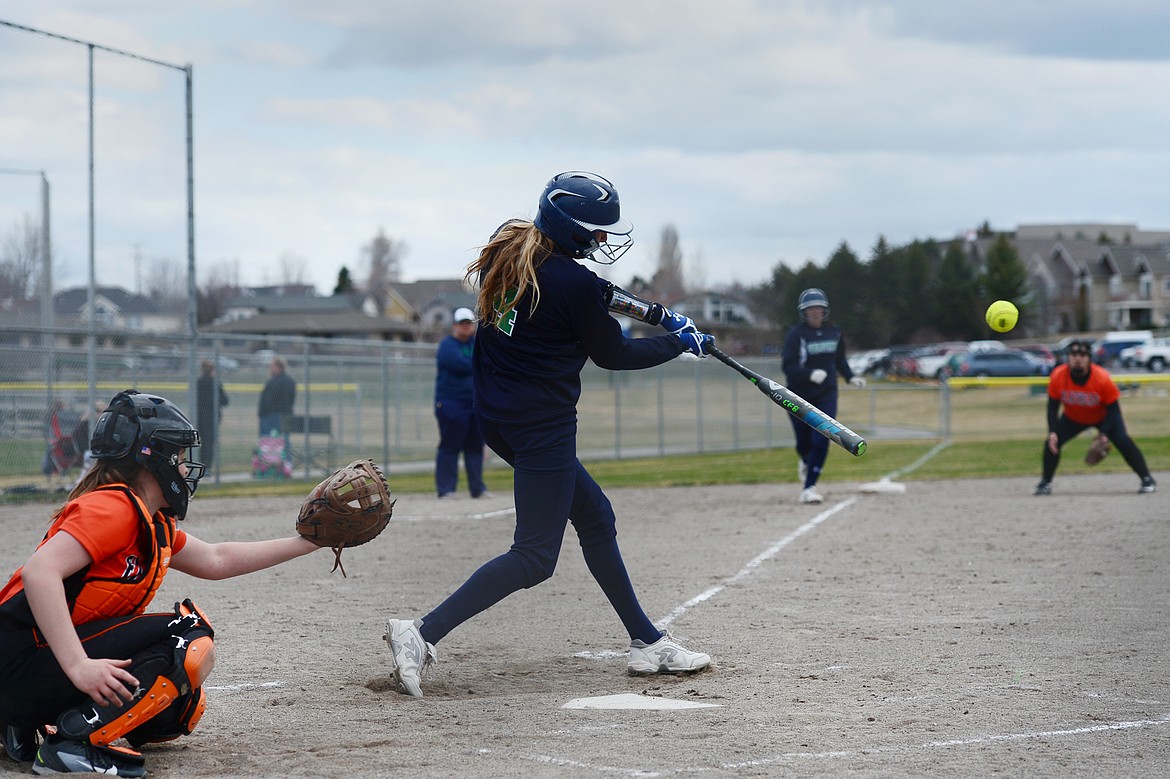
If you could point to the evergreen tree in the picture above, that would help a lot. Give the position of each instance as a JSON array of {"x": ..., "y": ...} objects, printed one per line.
[
  {"x": 345, "y": 283},
  {"x": 954, "y": 296}
]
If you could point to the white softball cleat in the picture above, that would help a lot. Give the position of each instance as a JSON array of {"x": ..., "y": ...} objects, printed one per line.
[
  {"x": 664, "y": 656},
  {"x": 410, "y": 656},
  {"x": 810, "y": 495}
]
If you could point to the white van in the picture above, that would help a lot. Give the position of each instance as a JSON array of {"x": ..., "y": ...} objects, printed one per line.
[{"x": 986, "y": 346}]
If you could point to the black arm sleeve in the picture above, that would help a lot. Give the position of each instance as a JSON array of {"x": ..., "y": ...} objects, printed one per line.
[{"x": 1053, "y": 413}]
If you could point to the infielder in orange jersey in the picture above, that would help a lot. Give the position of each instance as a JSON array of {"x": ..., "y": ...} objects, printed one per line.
[
  {"x": 1090, "y": 399},
  {"x": 77, "y": 651}
]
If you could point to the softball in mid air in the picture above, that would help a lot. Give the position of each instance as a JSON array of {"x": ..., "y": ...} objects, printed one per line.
[{"x": 1002, "y": 316}]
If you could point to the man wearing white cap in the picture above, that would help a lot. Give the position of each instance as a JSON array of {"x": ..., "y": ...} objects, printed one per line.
[{"x": 458, "y": 430}]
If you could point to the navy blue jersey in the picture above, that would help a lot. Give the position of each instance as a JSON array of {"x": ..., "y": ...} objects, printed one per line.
[
  {"x": 453, "y": 364},
  {"x": 805, "y": 350},
  {"x": 528, "y": 365}
]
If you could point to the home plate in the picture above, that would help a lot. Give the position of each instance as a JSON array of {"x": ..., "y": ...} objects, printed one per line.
[{"x": 630, "y": 700}]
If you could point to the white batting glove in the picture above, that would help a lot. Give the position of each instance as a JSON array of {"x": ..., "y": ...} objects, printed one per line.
[
  {"x": 817, "y": 376},
  {"x": 858, "y": 382}
]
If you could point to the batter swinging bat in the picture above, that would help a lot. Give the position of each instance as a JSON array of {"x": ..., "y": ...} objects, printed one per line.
[{"x": 623, "y": 302}]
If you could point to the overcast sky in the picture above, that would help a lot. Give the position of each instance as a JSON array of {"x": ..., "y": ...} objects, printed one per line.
[{"x": 764, "y": 131}]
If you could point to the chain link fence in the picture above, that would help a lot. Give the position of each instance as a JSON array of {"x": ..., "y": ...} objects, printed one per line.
[{"x": 360, "y": 398}]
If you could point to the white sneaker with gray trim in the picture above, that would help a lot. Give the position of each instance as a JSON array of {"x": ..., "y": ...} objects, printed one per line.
[
  {"x": 810, "y": 495},
  {"x": 664, "y": 656},
  {"x": 410, "y": 656}
]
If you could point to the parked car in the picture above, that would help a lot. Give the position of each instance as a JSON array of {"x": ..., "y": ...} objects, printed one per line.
[
  {"x": 873, "y": 362},
  {"x": 1153, "y": 356},
  {"x": 934, "y": 366},
  {"x": 1005, "y": 362},
  {"x": 1040, "y": 352},
  {"x": 902, "y": 361},
  {"x": 1108, "y": 350}
]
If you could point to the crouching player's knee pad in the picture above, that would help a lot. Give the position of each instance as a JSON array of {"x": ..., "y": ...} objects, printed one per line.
[{"x": 169, "y": 699}]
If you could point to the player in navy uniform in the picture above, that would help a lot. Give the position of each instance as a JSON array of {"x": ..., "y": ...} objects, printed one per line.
[
  {"x": 542, "y": 315},
  {"x": 814, "y": 353}
]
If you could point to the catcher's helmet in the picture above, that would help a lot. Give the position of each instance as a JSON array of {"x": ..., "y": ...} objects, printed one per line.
[
  {"x": 574, "y": 206},
  {"x": 155, "y": 433},
  {"x": 812, "y": 297}
]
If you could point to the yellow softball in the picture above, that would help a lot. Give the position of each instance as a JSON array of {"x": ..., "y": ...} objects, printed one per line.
[{"x": 1002, "y": 316}]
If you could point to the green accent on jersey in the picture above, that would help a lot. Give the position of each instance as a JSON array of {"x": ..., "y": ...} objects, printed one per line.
[{"x": 506, "y": 322}]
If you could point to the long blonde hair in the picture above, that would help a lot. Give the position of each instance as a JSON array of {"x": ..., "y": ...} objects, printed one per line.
[
  {"x": 509, "y": 262},
  {"x": 124, "y": 470}
]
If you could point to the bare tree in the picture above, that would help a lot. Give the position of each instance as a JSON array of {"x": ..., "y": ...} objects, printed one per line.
[
  {"x": 166, "y": 282},
  {"x": 384, "y": 257},
  {"x": 293, "y": 269},
  {"x": 223, "y": 281},
  {"x": 20, "y": 262},
  {"x": 668, "y": 278}
]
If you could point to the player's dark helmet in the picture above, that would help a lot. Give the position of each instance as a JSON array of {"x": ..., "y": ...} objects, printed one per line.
[
  {"x": 155, "y": 433},
  {"x": 574, "y": 206},
  {"x": 812, "y": 297}
]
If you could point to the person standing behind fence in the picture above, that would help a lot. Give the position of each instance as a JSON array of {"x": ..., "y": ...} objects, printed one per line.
[
  {"x": 210, "y": 399},
  {"x": 276, "y": 399},
  {"x": 814, "y": 353},
  {"x": 458, "y": 430}
]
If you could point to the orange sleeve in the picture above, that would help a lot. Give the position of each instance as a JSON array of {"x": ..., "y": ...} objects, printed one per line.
[
  {"x": 179, "y": 542},
  {"x": 102, "y": 522}
]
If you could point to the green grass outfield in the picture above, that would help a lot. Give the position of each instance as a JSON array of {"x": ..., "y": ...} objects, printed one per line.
[{"x": 960, "y": 460}]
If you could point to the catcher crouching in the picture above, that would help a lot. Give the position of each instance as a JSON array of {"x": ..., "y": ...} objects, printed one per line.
[{"x": 78, "y": 649}]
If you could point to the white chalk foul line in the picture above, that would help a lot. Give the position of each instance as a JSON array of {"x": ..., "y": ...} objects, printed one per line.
[
  {"x": 760, "y": 559},
  {"x": 837, "y": 754},
  {"x": 773, "y": 550},
  {"x": 242, "y": 687}
]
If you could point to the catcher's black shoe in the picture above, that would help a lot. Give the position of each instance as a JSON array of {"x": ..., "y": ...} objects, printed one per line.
[
  {"x": 66, "y": 756},
  {"x": 20, "y": 743},
  {"x": 1043, "y": 488},
  {"x": 1148, "y": 485}
]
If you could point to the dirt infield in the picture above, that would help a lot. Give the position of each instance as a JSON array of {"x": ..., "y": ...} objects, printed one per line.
[{"x": 963, "y": 628}]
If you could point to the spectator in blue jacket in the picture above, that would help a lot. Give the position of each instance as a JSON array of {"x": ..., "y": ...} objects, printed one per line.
[{"x": 458, "y": 430}]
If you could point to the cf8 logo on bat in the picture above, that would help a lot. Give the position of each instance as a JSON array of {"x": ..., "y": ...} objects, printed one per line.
[{"x": 789, "y": 405}]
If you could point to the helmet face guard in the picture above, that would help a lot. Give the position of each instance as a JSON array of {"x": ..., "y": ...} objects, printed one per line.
[
  {"x": 156, "y": 434},
  {"x": 810, "y": 298},
  {"x": 574, "y": 207}
]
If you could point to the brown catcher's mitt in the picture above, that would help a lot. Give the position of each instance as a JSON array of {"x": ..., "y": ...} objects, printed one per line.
[
  {"x": 347, "y": 509},
  {"x": 1098, "y": 450}
]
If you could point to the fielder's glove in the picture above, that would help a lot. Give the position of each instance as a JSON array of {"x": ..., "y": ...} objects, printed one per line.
[
  {"x": 347, "y": 509},
  {"x": 677, "y": 323},
  {"x": 696, "y": 343},
  {"x": 818, "y": 376},
  {"x": 858, "y": 382},
  {"x": 1098, "y": 450}
]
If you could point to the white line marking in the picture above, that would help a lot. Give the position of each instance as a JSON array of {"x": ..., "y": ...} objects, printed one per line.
[
  {"x": 243, "y": 687},
  {"x": 751, "y": 567},
  {"x": 453, "y": 517},
  {"x": 786, "y": 757}
]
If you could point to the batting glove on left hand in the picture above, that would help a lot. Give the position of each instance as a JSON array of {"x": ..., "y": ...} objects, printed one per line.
[
  {"x": 696, "y": 343},
  {"x": 858, "y": 382},
  {"x": 677, "y": 323}
]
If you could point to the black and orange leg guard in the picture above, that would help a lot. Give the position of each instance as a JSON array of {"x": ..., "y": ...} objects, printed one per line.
[{"x": 169, "y": 699}]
